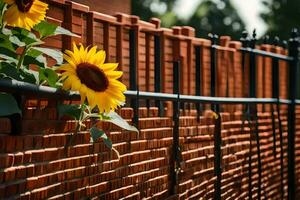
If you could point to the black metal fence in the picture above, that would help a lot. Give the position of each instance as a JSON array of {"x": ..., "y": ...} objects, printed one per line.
[{"x": 249, "y": 103}]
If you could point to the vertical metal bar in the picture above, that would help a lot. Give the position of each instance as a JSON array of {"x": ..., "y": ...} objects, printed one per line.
[
  {"x": 250, "y": 186},
  {"x": 157, "y": 72},
  {"x": 281, "y": 149},
  {"x": 133, "y": 73},
  {"x": 293, "y": 67},
  {"x": 245, "y": 43},
  {"x": 253, "y": 109},
  {"x": 218, "y": 156},
  {"x": 198, "y": 78},
  {"x": 16, "y": 119},
  {"x": 217, "y": 130},
  {"x": 213, "y": 70},
  {"x": 175, "y": 163},
  {"x": 264, "y": 59},
  {"x": 275, "y": 90},
  {"x": 147, "y": 71}
]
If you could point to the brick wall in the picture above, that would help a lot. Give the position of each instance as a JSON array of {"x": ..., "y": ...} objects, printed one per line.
[
  {"x": 110, "y": 7},
  {"x": 39, "y": 163}
]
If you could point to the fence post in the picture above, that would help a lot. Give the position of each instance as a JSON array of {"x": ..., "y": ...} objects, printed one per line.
[
  {"x": 198, "y": 78},
  {"x": 245, "y": 42},
  {"x": 246, "y": 113},
  {"x": 175, "y": 163},
  {"x": 253, "y": 108},
  {"x": 217, "y": 130},
  {"x": 133, "y": 84},
  {"x": 275, "y": 94},
  {"x": 158, "y": 72},
  {"x": 293, "y": 67}
]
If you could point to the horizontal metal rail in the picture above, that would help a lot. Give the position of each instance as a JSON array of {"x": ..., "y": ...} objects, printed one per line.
[
  {"x": 31, "y": 90},
  {"x": 267, "y": 54}
]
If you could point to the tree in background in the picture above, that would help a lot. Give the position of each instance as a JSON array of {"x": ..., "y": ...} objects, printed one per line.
[
  {"x": 216, "y": 16},
  {"x": 281, "y": 17},
  {"x": 162, "y": 9}
]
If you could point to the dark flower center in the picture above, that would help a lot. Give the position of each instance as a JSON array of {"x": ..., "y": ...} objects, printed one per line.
[
  {"x": 93, "y": 77},
  {"x": 24, "y": 5}
]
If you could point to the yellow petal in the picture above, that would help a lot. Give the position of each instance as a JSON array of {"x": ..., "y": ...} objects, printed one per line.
[
  {"x": 99, "y": 58},
  {"x": 69, "y": 60},
  {"x": 109, "y": 66},
  {"x": 117, "y": 85},
  {"x": 91, "y": 53},
  {"x": 66, "y": 67},
  {"x": 82, "y": 97},
  {"x": 75, "y": 59},
  {"x": 91, "y": 98},
  {"x": 114, "y": 74}
]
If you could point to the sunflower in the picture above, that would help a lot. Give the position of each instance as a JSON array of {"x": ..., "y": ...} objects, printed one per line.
[
  {"x": 95, "y": 80},
  {"x": 25, "y": 13}
]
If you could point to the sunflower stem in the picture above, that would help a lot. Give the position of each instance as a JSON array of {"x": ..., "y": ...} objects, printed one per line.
[
  {"x": 21, "y": 59},
  {"x": 78, "y": 124}
]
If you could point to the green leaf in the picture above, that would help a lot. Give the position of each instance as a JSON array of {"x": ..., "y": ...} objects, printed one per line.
[
  {"x": 5, "y": 42},
  {"x": 22, "y": 35},
  {"x": 49, "y": 75},
  {"x": 69, "y": 110},
  {"x": 8, "y": 105},
  {"x": 7, "y": 50},
  {"x": 57, "y": 55},
  {"x": 7, "y": 55},
  {"x": 97, "y": 133},
  {"x": 10, "y": 71},
  {"x": 119, "y": 121},
  {"x": 104, "y": 117},
  {"x": 29, "y": 76},
  {"x": 62, "y": 31},
  {"x": 47, "y": 29},
  {"x": 35, "y": 57},
  {"x": 3, "y": 7}
]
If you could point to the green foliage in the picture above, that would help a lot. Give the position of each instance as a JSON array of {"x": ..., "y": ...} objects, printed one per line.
[
  {"x": 48, "y": 75},
  {"x": 55, "y": 54},
  {"x": 22, "y": 37},
  {"x": 18, "y": 65},
  {"x": 143, "y": 9},
  {"x": 71, "y": 110},
  {"x": 97, "y": 133},
  {"x": 23, "y": 59},
  {"x": 119, "y": 121},
  {"x": 34, "y": 57},
  {"x": 281, "y": 17},
  {"x": 46, "y": 29},
  {"x": 7, "y": 50},
  {"x": 218, "y": 16},
  {"x": 13, "y": 108},
  {"x": 9, "y": 71}
]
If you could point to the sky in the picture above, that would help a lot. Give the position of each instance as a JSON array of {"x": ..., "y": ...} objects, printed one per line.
[{"x": 248, "y": 10}]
